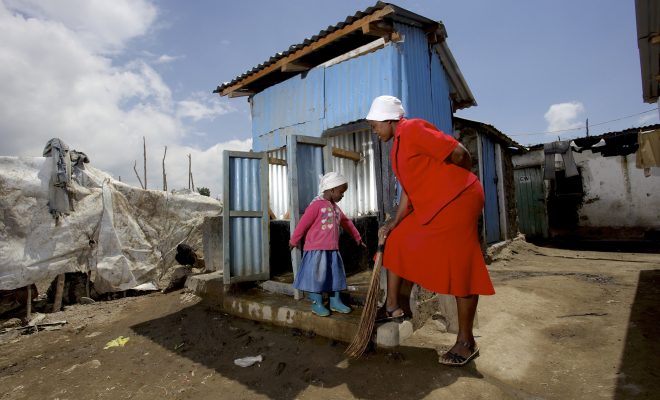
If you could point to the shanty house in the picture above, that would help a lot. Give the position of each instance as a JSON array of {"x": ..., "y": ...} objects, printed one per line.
[
  {"x": 594, "y": 188},
  {"x": 308, "y": 106},
  {"x": 492, "y": 162}
]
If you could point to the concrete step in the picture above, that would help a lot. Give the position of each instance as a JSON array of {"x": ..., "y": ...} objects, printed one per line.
[{"x": 283, "y": 310}]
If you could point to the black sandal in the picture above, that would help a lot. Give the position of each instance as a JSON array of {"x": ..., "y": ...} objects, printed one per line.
[
  {"x": 386, "y": 315},
  {"x": 457, "y": 360}
]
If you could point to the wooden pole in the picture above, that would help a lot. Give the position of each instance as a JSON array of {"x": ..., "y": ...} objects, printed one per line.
[
  {"x": 144, "y": 153},
  {"x": 59, "y": 289},
  {"x": 189, "y": 173},
  {"x": 138, "y": 175},
  {"x": 28, "y": 302},
  {"x": 164, "y": 175}
]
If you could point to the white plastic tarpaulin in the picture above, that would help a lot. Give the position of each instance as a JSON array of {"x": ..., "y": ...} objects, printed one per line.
[{"x": 125, "y": 236}]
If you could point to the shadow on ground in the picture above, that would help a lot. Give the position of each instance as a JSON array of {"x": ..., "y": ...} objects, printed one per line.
[
  {"x": 639, "y": 363},
  {"x": 294, "y": 360}
]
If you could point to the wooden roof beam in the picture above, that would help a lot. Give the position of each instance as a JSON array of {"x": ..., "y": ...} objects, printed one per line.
[
  {"x": 241, "y": 93},
  {"x": 296, "y": 67},
  {"x": 377, "y": 15},
  {"x": 348, "y": 154},
  {"x": 378, "y": 28}
]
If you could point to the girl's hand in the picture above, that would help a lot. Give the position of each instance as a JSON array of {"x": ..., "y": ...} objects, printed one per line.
[
  {"x": 362, "y": 244},
  {"x": 291, "y": 247}
]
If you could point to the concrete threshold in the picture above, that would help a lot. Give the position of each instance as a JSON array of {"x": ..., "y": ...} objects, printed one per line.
[{"x": 282, "y": 310}]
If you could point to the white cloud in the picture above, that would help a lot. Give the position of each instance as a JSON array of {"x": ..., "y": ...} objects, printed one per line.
[
  {"x": 164, "y": 59},
  {"x": 58, "y": 78},
  {"x": 201, "y": 106},
  {"x": 100, "y": 25},
  {"x": 206, "y": 166},
  {"x": 564, "y": 116}
]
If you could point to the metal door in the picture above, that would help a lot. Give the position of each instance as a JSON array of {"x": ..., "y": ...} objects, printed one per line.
[
  {"x": 308, "y": 157},
  {"x": 530, "y": 199},
  {"x": 245, "y": 219},
  {"x": 491, "y": 207}
]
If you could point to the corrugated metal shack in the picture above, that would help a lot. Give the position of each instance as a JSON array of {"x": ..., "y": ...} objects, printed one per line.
[
  {"x": 492, "y": 163},
  {"x": 308, "y": 106},
  {"x": 600, "y": 190}
]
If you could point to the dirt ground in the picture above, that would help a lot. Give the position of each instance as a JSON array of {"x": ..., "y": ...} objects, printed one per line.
[{"x": 563, "y": 325}]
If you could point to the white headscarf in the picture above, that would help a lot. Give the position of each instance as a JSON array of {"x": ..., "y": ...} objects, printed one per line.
[
  {"x": 330, "y": 180},
  {"x": 385, "y": 108}
]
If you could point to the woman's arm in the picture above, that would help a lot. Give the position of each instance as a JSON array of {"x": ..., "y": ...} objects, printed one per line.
[
  {"x": 405, "y": 208},
  {"x": 461, "y": 157}
]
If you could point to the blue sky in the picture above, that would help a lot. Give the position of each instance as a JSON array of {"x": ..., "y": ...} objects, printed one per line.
[{"x": 100, "y": 75}]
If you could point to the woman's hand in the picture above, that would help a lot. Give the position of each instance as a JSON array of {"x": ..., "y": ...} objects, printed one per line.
[{"x": 385, "y": 230}]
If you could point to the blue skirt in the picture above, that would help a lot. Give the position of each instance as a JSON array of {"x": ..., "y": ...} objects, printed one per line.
[{"x": 321, "y": 271}]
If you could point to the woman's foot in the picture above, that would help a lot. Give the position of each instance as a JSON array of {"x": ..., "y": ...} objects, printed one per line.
[
  {"x": 395, "y": 314},
  {"x": 460, "y": 354}
]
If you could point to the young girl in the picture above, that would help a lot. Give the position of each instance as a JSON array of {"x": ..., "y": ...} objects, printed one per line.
[{"x": 322, "y": 269}]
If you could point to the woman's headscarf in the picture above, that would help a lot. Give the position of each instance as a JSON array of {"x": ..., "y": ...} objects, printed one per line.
[{"x": 385, "y": 108}]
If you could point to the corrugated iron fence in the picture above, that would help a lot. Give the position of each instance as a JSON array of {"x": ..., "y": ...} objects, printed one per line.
[{"x": 360, "y": 199}]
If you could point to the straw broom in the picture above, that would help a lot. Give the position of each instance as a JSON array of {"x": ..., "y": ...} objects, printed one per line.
[{"x": 368, "y": 318}]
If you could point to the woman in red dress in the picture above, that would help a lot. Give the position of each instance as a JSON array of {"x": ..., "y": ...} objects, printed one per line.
[{"x": 433, "y": 240}]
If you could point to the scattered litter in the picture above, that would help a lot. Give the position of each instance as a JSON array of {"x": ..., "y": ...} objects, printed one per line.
[
  {"x": 248, "y": 361},
  {"x": 280, "y": 368},
  {"x": 11, "y": 323},
  {"x": 589, "y": 314},
  {"x": 93, "y": 334},
  {"x": 93, "y": 364},
  {"x": 178, "y": 346},
  {"x": 87, "y": 300},
  {"x": 119, "y": 342},
  {"x": 34, "y": 326},
  {"x": 189, "y": 298},
  {"x": 149, "y": 286},
  {"x": 36, "y": 319}
]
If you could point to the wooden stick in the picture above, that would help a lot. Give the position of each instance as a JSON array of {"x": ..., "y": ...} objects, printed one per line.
[
  {"x": 144, "y": 154},
  {"x": 138, "y": 175},
  {"x": 164, "y": 175},
  {"x": 29, "y": 302},
  {"x": 191, "y": 182},
  {"x": 87, "y": 284},
  {"x": 59, "y": 289}
]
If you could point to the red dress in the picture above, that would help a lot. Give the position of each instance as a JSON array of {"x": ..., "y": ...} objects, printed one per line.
[{"x": 437, "y": 245}]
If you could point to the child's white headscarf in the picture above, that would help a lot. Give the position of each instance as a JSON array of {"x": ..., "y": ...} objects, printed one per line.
[{"x": 330, "y": 180}]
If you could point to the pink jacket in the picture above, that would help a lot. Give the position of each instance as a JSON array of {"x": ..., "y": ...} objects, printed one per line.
[{"x": 320, "y": 226}]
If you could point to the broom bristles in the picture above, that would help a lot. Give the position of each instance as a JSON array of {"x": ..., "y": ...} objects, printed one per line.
[{"x": 368, "y": 317}]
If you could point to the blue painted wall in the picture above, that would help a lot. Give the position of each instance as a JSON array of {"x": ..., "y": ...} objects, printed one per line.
[{"x": 327, "y": 97}]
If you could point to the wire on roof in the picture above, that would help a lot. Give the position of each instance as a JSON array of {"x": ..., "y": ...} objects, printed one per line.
[{"x": 584, "y": 126}]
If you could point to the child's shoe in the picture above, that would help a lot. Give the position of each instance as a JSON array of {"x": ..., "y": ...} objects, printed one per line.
[
  {"x": 317, "y": 304},
  {"x": 337, "y": 305}
]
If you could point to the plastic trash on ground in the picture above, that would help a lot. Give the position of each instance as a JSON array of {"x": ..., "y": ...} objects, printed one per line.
[
  {"x": 248, "y": 361},
  {"x": 119, "y": 342}
]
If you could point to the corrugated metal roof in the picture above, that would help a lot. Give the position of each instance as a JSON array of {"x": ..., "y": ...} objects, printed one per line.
[
  {"x": 333, "y": 42},
  {"x": 629, "y": 131},
  {"x": 488, "y": 129}
]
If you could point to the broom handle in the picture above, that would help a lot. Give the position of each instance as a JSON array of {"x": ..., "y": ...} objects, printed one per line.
[{"x": 368, "y": 317}]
